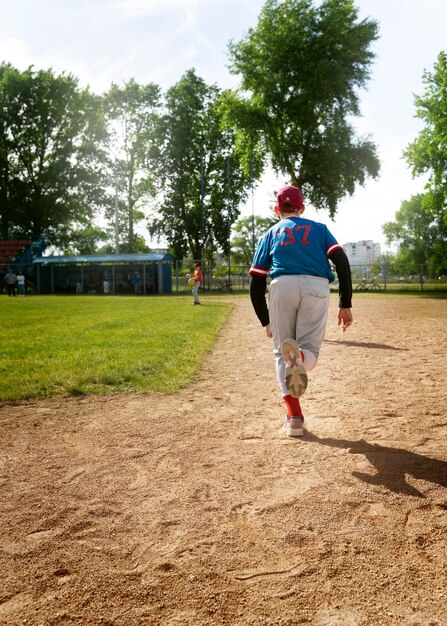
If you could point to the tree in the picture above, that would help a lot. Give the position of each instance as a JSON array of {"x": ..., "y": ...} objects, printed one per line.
[
  {"x": 51, "y": 133},
  {"x": 246, "y": 234},
  {"x": 428, "y": 153},
  {"x": 420, "y": 236},
  {"x": 301, "y": 68},
  {"x": 193, "y": 211},
  {"x": 386, "y": 261},
  {"x": 132, "y": 115},
  {"x": 420, "y": 226},
  {"x": 85, "y": 241}
]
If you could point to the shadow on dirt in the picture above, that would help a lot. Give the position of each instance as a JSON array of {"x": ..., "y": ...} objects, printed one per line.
[
  {"x": 362, "y": 344},
  {"x": 392, "y": 464}
]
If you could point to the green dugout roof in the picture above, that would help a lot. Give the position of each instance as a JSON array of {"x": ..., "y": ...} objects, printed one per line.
[{"x": 104, "y": 258}]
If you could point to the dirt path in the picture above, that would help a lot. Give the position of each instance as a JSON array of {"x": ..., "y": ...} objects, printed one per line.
[{"x": 194, "y": 508}]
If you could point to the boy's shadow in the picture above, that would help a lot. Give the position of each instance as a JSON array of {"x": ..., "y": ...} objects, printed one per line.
[
  {"x": 362, "y": 344},
  {"x": 392, "y": 464}
]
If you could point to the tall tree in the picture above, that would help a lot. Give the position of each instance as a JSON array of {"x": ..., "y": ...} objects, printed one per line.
[
  {"x": 300, "y": 71},
  {"x": 132, "y": 114},
  {"x": 427, "y": 154},
  {"x": 193, "y": 166},
  {"x": 51, "y": 134},
  {"x": 411, "y": 228},
  {"x": 422, "y": 238},
  {"x": 7, "y": 208},
  {"x": 420, "y": 226}
]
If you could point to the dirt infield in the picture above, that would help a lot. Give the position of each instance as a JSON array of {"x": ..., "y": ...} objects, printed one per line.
[{"x": 193, "y": 508}]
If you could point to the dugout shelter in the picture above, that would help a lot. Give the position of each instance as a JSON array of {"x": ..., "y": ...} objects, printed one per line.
[{"x": 86, "y": 274}]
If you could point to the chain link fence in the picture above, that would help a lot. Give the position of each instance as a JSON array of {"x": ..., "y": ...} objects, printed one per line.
[
  {"x": 216, "y": 278},
  {"x": 395, "y": 278},
  {"x": 235, "y": 279},
  {"x": 219, "y": 279}
]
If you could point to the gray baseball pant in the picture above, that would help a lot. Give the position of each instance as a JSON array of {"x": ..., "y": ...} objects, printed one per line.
[
  {"x": 298, "y": 309},
  {"x": 195, "y": 292}
]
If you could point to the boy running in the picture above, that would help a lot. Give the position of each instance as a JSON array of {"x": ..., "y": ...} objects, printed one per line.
[{"x": 295, "y": 253}]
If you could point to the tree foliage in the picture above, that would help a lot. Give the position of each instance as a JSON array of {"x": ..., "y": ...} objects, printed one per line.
[
  {"x": 197, "y": 160},
  {"x": 246, "y": 234},
  {"x": 386, "y": 260},
  {"x": 420, "y": 226},
  {"x": 300, "y": 71},
  {"x": 132, "y": 120},
  {"x": 51, "y": 133},
  {"x": 84, "y": 241},
  {"x": 428, "y": 152},
  {"x": 421, "y": 236}
]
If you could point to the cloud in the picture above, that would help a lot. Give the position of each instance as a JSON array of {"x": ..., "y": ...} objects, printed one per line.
[
  {"x": 16, "y": 52},
  {"x": 148, "y": 8}
]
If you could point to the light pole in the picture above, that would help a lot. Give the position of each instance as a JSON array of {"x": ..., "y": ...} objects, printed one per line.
[
  {"x": 202, "y": 201},
  {"x": 252, "y": 206},
  {"x": 117, "y": 242},
  {"x": 229, "y": 221}
]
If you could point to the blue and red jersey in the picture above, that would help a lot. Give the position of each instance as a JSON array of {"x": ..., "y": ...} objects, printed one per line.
[{"x": 295, "y": 246}]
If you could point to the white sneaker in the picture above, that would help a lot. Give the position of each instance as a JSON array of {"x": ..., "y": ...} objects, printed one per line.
[
  {"x": 296, "y": 376},
  {"x": 294, "y": 426}
]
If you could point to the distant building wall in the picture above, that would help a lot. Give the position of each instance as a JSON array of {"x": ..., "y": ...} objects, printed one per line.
[{"x": 363, "y": 252}]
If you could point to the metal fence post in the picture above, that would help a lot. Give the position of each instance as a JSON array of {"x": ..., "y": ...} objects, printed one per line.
[
  {"x": 421, "y": 277},
  {"x": 383, "y": 264}
]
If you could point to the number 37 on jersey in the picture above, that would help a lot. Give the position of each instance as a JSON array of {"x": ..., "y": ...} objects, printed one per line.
[{"x": 290, "y": 236}]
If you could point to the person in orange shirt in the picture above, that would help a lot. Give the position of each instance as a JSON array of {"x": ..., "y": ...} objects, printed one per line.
[{"x": 197, "y": 276}]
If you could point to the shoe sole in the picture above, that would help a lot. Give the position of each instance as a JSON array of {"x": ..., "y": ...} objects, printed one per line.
[
  {"x": 294, "y": 432},
  {"x": 296, "y": 376}
]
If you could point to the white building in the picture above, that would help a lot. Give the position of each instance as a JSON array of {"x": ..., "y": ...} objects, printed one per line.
[{"x": 362, "y": 252}]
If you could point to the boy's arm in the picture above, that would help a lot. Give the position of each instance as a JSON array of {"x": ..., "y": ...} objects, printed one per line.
[
  {"x": 258, "y": 287},
  {"x": 343, "y": 269}
]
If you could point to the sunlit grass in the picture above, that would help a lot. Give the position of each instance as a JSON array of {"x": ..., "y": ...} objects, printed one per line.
[{"x": 57, "y": 345}]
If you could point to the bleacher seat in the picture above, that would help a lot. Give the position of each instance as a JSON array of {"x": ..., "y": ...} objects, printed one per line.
[{"x": 9, "y": 249}]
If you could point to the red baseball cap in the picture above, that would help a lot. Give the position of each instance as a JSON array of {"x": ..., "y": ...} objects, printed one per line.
[{"x": 290, "y": 196}]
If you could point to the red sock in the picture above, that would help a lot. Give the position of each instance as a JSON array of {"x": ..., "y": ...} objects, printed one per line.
[{"x": 293, "y": 407}]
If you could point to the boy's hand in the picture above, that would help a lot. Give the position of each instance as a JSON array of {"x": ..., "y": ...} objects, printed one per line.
[
  {"x": 268, "y": 331},
  {"x": 345, "y": 318}
]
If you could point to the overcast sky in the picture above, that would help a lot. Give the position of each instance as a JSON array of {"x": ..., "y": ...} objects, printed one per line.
[{"x": 105, "y": 41}]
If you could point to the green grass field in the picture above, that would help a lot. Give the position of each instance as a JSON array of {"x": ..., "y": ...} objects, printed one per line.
[{"x": 57, "y": 345}]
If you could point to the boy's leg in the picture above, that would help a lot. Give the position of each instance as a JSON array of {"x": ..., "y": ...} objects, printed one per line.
[
  {"x": 311, "y": 317},
  {"x": 298, "y": 307},
  {"x": 284, "y": 298},
  {"x": 195, "y": 293},
  {"x": 296, "y": 377}
]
